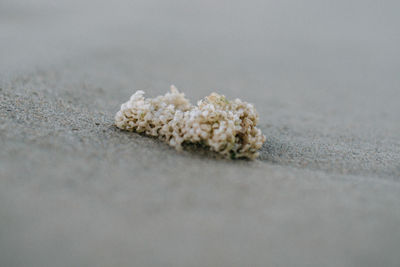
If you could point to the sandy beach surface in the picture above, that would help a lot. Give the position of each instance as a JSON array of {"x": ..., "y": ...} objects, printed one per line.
[{"x": 76, "y": 191}]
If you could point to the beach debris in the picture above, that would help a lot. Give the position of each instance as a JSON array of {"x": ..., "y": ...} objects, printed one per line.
[{"x": 223, "y": 126}]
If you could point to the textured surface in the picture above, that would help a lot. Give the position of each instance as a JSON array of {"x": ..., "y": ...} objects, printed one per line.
[
  {"x": 324, "y": 76},
  {"x": 226, "y": 127}
]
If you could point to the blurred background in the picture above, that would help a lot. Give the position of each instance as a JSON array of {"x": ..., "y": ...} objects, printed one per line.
[
  {"x": 324, "y": 76},
  {"x": 329, "y": 58}
]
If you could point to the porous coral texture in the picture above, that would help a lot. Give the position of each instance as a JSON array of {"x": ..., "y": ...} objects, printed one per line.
[{"x": 226, "y": 127}]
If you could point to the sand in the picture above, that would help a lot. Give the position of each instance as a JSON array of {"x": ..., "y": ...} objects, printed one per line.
[{"x": 76, "y": 191}]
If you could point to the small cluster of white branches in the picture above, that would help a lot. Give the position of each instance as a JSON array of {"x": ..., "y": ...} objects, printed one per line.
[{"x": 226, "y": 127}]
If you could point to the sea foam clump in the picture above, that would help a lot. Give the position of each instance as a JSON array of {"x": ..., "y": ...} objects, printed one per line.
[{"x": 226, "y": 127}]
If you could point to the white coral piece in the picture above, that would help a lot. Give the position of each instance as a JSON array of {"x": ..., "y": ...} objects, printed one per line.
[{"x": 226, "y": 127}]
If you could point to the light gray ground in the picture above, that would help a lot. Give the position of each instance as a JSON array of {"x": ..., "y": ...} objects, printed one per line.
[{"x": 324, "y": 76}]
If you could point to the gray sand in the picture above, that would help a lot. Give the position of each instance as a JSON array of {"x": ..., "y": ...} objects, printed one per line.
[{"x": 324, "y": 76}]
